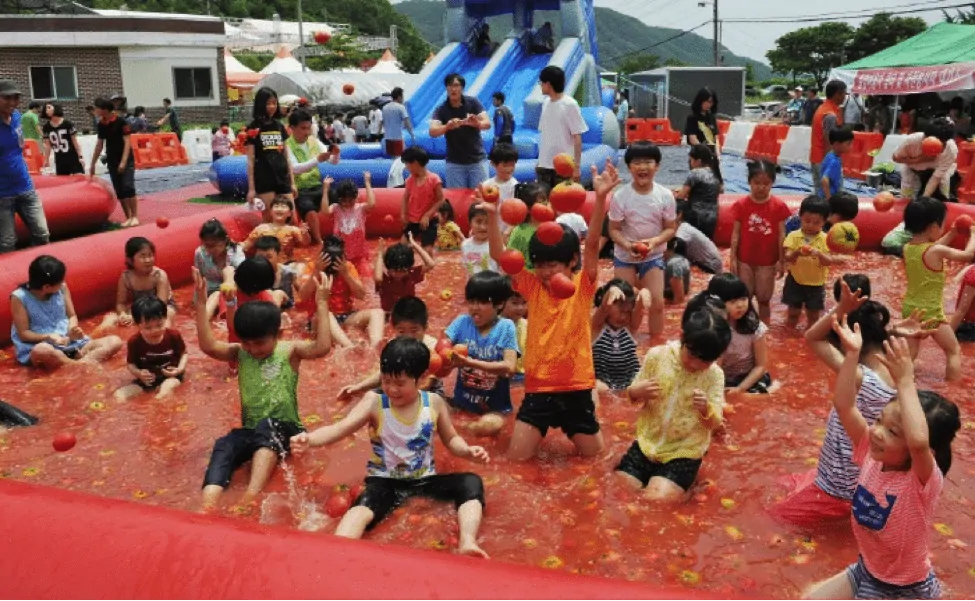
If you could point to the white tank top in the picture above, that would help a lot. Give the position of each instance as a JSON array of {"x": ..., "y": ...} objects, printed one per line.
[{"x": 403, "y": 450}]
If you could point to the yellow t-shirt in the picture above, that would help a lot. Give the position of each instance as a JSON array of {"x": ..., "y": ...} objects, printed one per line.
[
  {"x": 807, "y": 270},
  {"x": 449, "y": 236},
  {"x": 672, "y": 428}
]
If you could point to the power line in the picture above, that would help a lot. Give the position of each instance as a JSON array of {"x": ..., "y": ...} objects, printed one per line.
[
  {"x": 832, "y": 17},
  {"x": 660, "y": 43}
]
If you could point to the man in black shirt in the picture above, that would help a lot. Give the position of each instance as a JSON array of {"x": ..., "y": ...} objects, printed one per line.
[
  {"x": 113, "y": 134},
  {"x": 462, "y": 119}
]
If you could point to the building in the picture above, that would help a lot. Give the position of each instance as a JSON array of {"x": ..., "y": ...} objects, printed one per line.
[{"x": 72, "y": 59}]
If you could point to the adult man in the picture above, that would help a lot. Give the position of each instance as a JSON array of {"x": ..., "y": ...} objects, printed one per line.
[
  {"x": 17, "y": 194},
  {"x": 853, "y": 112},
  {"x": 360, "y": 123},
  {"x": 827, "y": 117},
  {"x": 461, "y": 119},
  {"x": 793, "y": 110},
  {"x": 809, "y": 107},
  {"x": 375, "y": 124},
  {"x": 560, "y": 127},
  {"x": 305, "y": 153},
  {"x": 30, "y": 123},
  {"x": 622, "y": 114},
  {"x": 395, "y": 118},
  {"x": 504, "y": 121},
  {"x": 172, "y": 118}
]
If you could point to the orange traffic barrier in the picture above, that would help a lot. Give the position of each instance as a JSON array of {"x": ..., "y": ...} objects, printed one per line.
[
  {"x": 171, "y": 151},
  {"x": 766, "y": 142},
  {"x": 858, "y": 160},
  {"x": 657, "y": 131},
  {"x": 158, "y": 150},
  {"x": 723, "y": 127},
  {"x": 33, "y": 157}
]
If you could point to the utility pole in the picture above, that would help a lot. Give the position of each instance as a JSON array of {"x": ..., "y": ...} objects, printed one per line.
[
  {"x": 717, "y": 58},
  {"x": 301, "y": 38}
]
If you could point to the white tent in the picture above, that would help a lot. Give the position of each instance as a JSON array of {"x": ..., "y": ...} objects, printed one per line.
[
  {"x": 327, "y": 88},
  {"x": 234, "y": 66},
  {"x": 387, "y": 64},
  {"x": 283, "y": 63}
]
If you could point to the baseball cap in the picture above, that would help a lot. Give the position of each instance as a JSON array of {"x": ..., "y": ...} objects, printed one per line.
[{"x": 8, "y": 88}]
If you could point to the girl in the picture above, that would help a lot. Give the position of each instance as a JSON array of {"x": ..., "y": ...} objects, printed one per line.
[
  {"x": 349, "y": 218},
  {"x": 223, "y": 137},
  {"x": 745, "y": 360},
  {"x": 280, "y": 227},
  {"x": 758, "y": 235},
  {"x": 520, "y": 235},
  {"x": 60, "y": 137},
  {"x": 617, "y": 315},
  {"x": 449, "y": 236},
  {"x": 45, "y": 329},
  {"x": 701, "y": 190},
  {"x": 216, "y": 258},
  {"x": 268, "y": 169},
  {"x": 904, "y": 457},
  {"x": 142, "y": 278}
]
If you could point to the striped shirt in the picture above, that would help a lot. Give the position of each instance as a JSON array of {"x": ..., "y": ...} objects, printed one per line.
[
  {"x": 836, "y": 474},
  {"x": 614, "y": 355}
]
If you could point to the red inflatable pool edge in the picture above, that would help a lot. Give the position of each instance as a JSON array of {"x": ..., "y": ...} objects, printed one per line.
[
  {"x": 61, "y": 544},
  {"x": 72, "y": 206}
]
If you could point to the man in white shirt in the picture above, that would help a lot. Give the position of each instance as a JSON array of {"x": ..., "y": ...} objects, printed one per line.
[
  {"x": 560, "y": 127},
  {"x": 375, "y": 124},
  {"x": 338, "y": 129},
  {"x": 395, "y": 118}
]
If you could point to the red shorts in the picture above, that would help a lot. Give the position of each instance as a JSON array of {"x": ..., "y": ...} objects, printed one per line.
[
  {"x": 807, "y": 506},
  {"x": 394, "y": 148}
]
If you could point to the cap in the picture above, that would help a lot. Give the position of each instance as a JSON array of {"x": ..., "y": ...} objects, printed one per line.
[
  {"x": 8, "y": 88},
  {"x": 798, "y": 88}
]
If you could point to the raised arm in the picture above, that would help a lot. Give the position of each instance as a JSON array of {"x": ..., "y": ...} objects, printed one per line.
[
  {"x": 360, "y": 415},
  {"x": 845, "y": 393},
  {"x": 208, "y": 342},
  {"x": 370, "y": 194},
  {"x": 378, "y": 267},
  {"x": 943, "y": 251},
  {"x": 319, "y": 347},
  {"x": 818, "y": 334},
  {"x": 603, "y": 183},
  {"x": 914, "y": 425},
  {"x": 428, "y": 262}
]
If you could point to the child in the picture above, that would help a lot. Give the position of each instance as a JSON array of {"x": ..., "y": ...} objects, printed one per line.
[
  {"x": 45, "y": 330},
  {"x": 644, "y": 213},
  {"x": 483, "y": 387},
  {"x": 701, "y": 190},
  {"x": 808, "y": 257},
  {"x": 677, "y": 271},
  {"x": 476, "y": 249},
  {"x": 285, "y": 275},
  {"x": 156, "y": 354},
  {"x": 963, "y": 319},
  {"x": 349, "y": 218},
  {"x": 745, "y": 361},
  {"x": 254, "y": 280},
  {"x": 291, "y": 236},
  {"x": 701, "y": 250},
  {"x": 449, "y": 236},
  {"x": 402, "y": 421},
  {"x": 618, "y": 314},
  {"x": 574, "y": 221},
  {"x": 141, "y": 279},
  {"x": 504, "y": 159},
  {"x": 268, "y": 169},
  {"x": 924, "y": 262},
  {"x": 113, "y": 135},
  {"x": 843, "y": 206},
  {"x": 831, "y": 169},
  {"x": 395, "y": 274},
  {"x": 758, "y": 235},
  {"x": 559, "y": 373},
  {"x": 903, "y": 457},
  {"x": 221, "y": 141},
  {"x": 216, "y": 259},
  {"x": 421, "y": 198},
  {"x": 681, "y": 389},
  {"x": 520, "y": 235},
  {"x": 516, "y": 310},
  {"x": 268, "y": 381}
]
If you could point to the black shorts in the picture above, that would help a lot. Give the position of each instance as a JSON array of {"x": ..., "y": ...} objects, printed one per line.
[
  {"x": 797, "y": 296},
  {"x": 309, "y": 199},
  {"x": 573, "y": 412},
  {"x": 760, "y": 387},
  {"x": 383, "y": 495},
  {"x": 965, "y": 332},
  {"x": 681, "y": 472},
  {"x": 236, "y": 448},
  {"x": 427, "y": 237},
  {"x": 156, "y": 383},
  {"x": 265, "y": 183},
  {"x": 124, "y": 183}
]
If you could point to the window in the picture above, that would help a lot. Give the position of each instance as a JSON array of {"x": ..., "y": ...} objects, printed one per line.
[
  {"x": 53, "y": 83},
  {"x": 193, "y": 83}
]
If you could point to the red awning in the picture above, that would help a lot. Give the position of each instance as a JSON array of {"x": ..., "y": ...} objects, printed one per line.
[{"x": 914, "y": 80}]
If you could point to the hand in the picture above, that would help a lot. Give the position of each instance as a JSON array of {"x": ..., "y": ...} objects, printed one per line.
[
  {"x": 348, "y": 392},
  {"x": 59, "y": 340},
  {"x": 299, "y": 443},
  {"x": 604, "y": 183},
  {"x": 478, "y": 454},
  {"x": 367, "y": 177},
  {"x": 850, "y": 301},
  {"x": 323, "y": 288},
  {"x": 327, "y": 182},
  {"x": 229, "y": 290},
  {"x": 121, "y": 168},
  {"x": 478, "y": 201},
  {"x": 200, "y": 287},
  {"x": 733, "y": 266},
  {"x": 125, "y": 319},
  {"x": 644, "y": 391},
  {"x": 914, "y": 326},
  {"x": 146, "y": 377},
  {"x": 779, "y": 270},
  {"x": 424, "y": 224},
  {"x": 454, "y": 124},
  {"x": 76, "y": 333},
  {"x": 459, "y": 360},
  {"x": 897, "y": 359},
  {"x": 850, "y": 340},
  {"x": 700, "y": 401},
  {"x": 409, "y": 236},
  {"x": 251, "y": 195},
  {"x": 170, "y": 371},
  {"x": 324, "y": 156},
  {"x": 612, "y": 295},
  {"x": 733, "y": 391}
]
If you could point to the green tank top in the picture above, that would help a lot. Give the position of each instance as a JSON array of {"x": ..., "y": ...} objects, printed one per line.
[
  {"x": 268, "y": 387},
  {"x": 925, "y": 288},
  {"x": 309, "y": 179}
]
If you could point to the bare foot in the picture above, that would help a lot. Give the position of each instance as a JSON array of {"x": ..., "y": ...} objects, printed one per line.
[{"x": 472, "y": 550}]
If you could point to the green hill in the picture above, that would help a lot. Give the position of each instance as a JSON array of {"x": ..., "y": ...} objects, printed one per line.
[{"x": 618, "y": 35}]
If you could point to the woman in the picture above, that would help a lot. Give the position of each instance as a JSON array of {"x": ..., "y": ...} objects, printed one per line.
[
  {"x": 701, "y": 190},
  {"x": 61, "y": 138},
  {"x": 702, "y": 124}
]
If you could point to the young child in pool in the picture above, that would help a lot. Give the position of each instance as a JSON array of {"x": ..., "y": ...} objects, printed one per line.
[
  {"x": 808, "y": 259},
  {"x": 516, "y": 309},
  {"x": 422, "y": 197},
  {"x": 349, "y": 219},
  {"x": 291, "y": 236},
  {"x": 45, "y": 330},
  {"x": 519, "y": 236},
  {"x": 402, "y": 422},
  {"x": 903, "y": 459},
  {"x": 745, "y": 361},
  {"x": 216, "y": 259},
  {"x": 285, "y": 275},
  {"x": 157, "y": 355},
  {"x": 476, "y": 251},
  {"x": 141, "y": 279},
  {"x": 618, "y": 314},
  {"x": 395, "y": 274},
  {"x": 254, "y": 280},
  {"x": 449, "y": 236},
  {"x": 681, "y": 389},
  {"x": 268, "y": 381}
]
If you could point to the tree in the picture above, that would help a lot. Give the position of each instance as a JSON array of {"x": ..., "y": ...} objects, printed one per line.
[
  {"x": 675, "y": 62},
  {"x": 883, "y": 30},
  {"x": 341, "y": 51},
  {"x": 638, "y": 62},
  {"x": 749, "y": 73},
  {"x": 812, "y": 50},
  {"x": 961, "y": 17}
]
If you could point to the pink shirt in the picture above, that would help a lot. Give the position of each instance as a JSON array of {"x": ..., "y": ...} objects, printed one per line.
[
  {"x": 422, "y": 195},
  {"x": 350, "y": 225},
  {"x": 893, "y": 514}
]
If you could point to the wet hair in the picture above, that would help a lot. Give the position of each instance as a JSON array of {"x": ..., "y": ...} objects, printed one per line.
[
  {"x": 642, "y": 149},
  {"x": 629, "y": 294},
  {"x": 702, "y": 96},
  {"x": 299, "y": 116},
  {"x": 553, "y": 76},
  {"x": 399, "y": 256},
  {"x": 498, "y": 96},
  {"x": 212, "y": 229},
  {"x": 397, "y": 92},
  {"x": 148, "y": 308},
  {"x": 283, "y": 200},
  {"x": 446, "y": 210},
  {"x": 756, "y": 168},
  {"x": 941, "y": 128},
  {"x": 833, "y": 87},
  {"x": 333, "y": 248},
  {"x": 705, "y": 334},
  {"x": 873, "y": 318},
  {"x": 678, "y": 246},
  {"x": 56, "y": 109},
  {"x": 528, "y": 193},
  {"x": 346, "y": 189},
  {"x": 729, "y": 287},
  {"x": 487, "y": 287},
  {"x": 260, "y": 105},
  {"x": 256, "y": 320},
  {"x": 254, "y": 275},
  {"x": 473, "y": 211},
  {"x": 944, "y": 421},
  {"x": 922, "y": 212},
  {"x": 702, "y": 152},
  {"x": 704, "y": 300},
  {"x": 267, "y": 243},
  {"x": 503, "y": 153},
  {"x": 856, "y": 281},
  {"x": 134, "y": 246},
  {"x": 409, "y": 309},
  {"x": 563, "y": 251},
  {"x": 45, "y": 270},
  {"x": 816, "y": 205},
  {"x": 103, "y": 104},
  {"x": 404, "y": 356},
  {"x": 844, "y": 204},
  {"x": 415, "y": 154},
  {"x": 452, "y": 77},
  {"x": 840, "y": 134}
]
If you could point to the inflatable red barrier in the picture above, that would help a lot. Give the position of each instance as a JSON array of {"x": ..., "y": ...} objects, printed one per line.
[
  {"x": 61, "y": 544},
  {"x": 72, "y": 206},
  {"x": 51, "y": 181}
]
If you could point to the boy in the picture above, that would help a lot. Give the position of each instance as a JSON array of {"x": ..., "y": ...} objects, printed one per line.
[
  {"x": 560, "y": 127},
  {"x": 504, "y": 159},
  {"x": 156, "y": 354},
  {"x": 559, "y": 374},
  {"x": 701, "y": 251},
  {"x": 504, "y": 123},
  {"x": 268, "y": 381},
  {"x": 113, "y": 135},
  {"x": 254, "y": 280},
  {"x": 520, "y": 235},
  {"x": 677, "y": 271},
  {"x": 843, "y": 206},
  {"x": 476, "y": 251},
  {"x": 421, "y": 198},
  {"x": 402, "y": 421},
  {"x": 807, "y": 256},
  {"x": 516, "y": 310},
  {"x": 285, "y": 275},
  {"x": 831, "y": 169},
  {"x": 394, "y": 272}
]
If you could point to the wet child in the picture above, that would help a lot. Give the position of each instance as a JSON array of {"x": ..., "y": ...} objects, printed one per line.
[
  {"x": 349, "y": 219},
  {"x": 157, "y": 355},
  {"x": 395, "y": 274},
  {"x": 701, "y": 250},
  {"x": 285, "y": 274},
  {"x": 843, "y": 206},
  {"x": 520, "y": 235},
  {"x": 618, "y": 314},
  {"x": 402, "y": 422},
  {"x": 421, "y": 198},
  {"x": 45, "y": 331},
  {"x": 516, "y": 309},
  {"x": 449, "y": 236},
  {"x": 677, "y": 271},
  {"x": 808, "y": 258},
  {"x": 291, "y": 236},
  {"x": 476, "y": 250},
  {"x": 254, "y": 280},
  {"x": 745, "y": 362},
  {"x": 268, "y": 381},
  {"x": 216, "y": 259},
  {"x": 140, "y": 279}
]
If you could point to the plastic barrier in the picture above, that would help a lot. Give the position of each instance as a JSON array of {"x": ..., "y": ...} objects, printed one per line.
[
  {"x": 62, "y": 544},
  {"x": 795, "y": 148},
  {"x": 171, "y": 152},
  {"x": 199, "y": 145},
  {"x": 859, "y": 160},
  {"x": 33, "y": 156},
  {"x": 723, "y": 127},
  {"x": 887, "y": 149},
  {"x": 145, "y": 149},
  {"x": 95, "y": 262},
  {"x": 766, "y": 142},
  {"x": 657, "y": 131},
  {"x": 737, "y": 138}
]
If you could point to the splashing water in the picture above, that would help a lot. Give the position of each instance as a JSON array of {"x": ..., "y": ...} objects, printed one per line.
[{"x": 292, "y": 508}]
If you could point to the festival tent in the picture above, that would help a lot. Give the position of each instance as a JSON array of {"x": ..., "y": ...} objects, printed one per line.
[
  {"x": 328, "y": 88},
  {"x": 387, "y": 64},
  {"x": 941, "y": 59},
  {"x": 239, "y": 75},
  {"x": 283, "y": 62}
]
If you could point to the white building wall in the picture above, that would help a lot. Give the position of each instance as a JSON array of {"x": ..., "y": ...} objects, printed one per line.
[{"x": 147, "y": 73}]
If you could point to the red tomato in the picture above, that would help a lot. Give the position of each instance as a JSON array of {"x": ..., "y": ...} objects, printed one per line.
[
  {"x": 64, "y": 441},
  {"x": 338, "y": 504}
]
